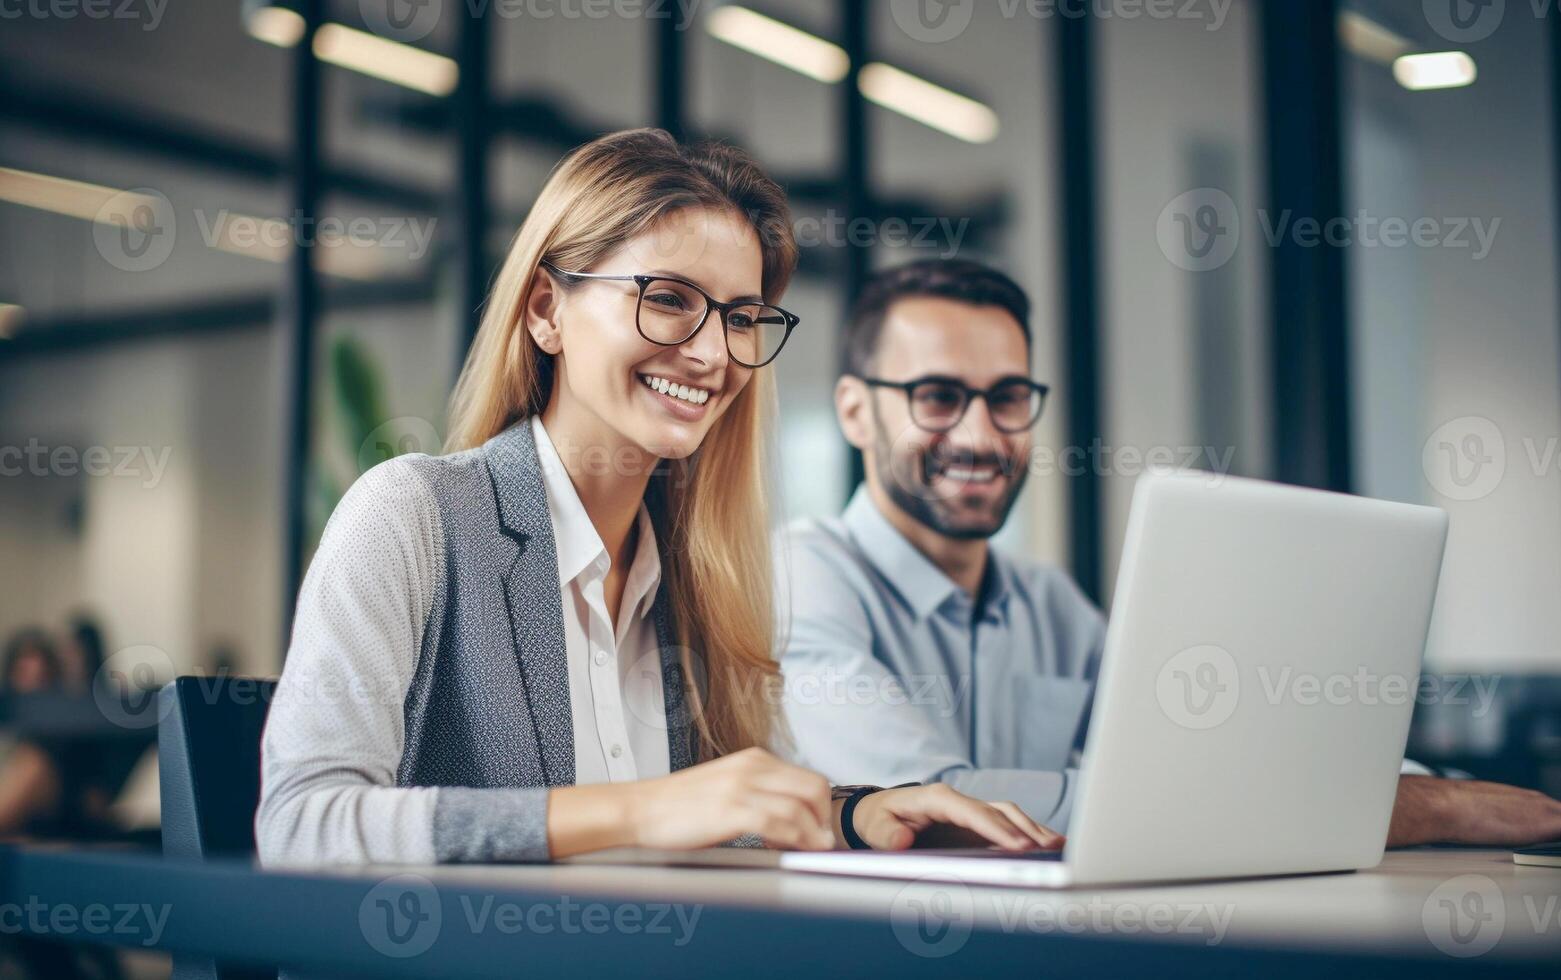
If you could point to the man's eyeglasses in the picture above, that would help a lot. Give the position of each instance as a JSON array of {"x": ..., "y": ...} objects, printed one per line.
[
  {"x": 937, "y": 404},
  {"x": 670, "y": 311}
]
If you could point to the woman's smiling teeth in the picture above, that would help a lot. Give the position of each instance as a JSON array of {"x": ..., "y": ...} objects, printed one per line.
[{"x": 688, "y": 393}]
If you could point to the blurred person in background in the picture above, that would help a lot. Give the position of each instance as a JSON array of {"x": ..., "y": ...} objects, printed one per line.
[
  {"x": 81, "y": 654},
  {"x": 59, "y": 783},
  {"x": 562, "y": 633},
  {"x": 31, "y": 782},
  {"x": 32, "y": 663},
  {"x": 40, "y": 796}
]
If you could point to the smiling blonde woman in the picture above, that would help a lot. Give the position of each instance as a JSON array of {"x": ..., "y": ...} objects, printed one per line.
[{"x": 558, "y": 636}]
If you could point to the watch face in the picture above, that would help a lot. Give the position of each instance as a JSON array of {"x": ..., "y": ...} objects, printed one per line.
[{"x": 841, "y": 792}]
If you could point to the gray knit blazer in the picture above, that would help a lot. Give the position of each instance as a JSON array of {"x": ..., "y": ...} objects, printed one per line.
[{"x": 424, "y": 707}]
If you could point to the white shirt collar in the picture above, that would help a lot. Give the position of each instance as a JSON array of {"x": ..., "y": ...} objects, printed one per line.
[{"x": 579, "y": 547}]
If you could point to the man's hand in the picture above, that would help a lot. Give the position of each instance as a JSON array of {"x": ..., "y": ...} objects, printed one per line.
[{"x": 1470, "y": 811}]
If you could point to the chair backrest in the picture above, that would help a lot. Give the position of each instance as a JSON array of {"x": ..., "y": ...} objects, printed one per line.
[{"x": 208, "y": 752}]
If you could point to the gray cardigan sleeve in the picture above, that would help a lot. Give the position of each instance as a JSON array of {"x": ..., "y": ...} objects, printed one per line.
[{"x": 335, "y": 733}]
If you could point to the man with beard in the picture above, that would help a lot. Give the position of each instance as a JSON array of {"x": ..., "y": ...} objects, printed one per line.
[{"x": 917, "y": 652}]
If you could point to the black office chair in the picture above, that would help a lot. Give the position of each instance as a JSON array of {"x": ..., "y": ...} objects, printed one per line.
[{"x": 208, "y": 754}]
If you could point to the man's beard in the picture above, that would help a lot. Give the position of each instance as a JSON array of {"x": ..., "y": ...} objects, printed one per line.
[{"x": 913, "y": 493}]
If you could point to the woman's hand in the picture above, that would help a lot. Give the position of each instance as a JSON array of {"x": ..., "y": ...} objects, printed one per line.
[
  {"x": 938, "y": 815},
  {"x": 747, "y": 792}
]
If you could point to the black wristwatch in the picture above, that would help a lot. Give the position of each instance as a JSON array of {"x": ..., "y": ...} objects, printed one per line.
[{"x": 854, "y": 795}]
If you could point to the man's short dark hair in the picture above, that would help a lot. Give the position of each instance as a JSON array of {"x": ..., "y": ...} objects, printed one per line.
[{"x": 956, "y": 279}]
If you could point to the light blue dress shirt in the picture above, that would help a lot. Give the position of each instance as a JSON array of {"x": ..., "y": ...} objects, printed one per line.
[{"x": 893, "y": 674}]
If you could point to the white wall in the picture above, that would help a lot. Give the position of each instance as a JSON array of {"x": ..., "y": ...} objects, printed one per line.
[
  {"x": 134, "y": 557},
  {"x": 1184, "y": 352},
  {"x": 1449, "y": 346}
]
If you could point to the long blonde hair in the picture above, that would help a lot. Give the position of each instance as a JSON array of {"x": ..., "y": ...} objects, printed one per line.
[{"x": 711, "y": 512}]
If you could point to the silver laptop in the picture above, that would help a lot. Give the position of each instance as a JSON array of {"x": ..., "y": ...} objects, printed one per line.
[{"x": 1254, "y": 697}]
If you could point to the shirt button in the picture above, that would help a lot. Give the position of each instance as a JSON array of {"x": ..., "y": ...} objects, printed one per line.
[
  {"x": 601, "y": 657},
  {"x": 617, "y": 750}
]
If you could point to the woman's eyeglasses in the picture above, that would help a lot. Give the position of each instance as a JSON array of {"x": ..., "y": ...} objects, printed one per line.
[
  {"x": 670, "y": 311},
  {"x": 938, "y": 404}
]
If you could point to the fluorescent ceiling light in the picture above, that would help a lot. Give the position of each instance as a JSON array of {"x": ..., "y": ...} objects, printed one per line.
[
  {"x": 275, "y": 25},
  {"x": 825, "y": 61},
  {"x": 929, "y": 104},
  {"x": 74, "y": 198},
  {"x": 1436, "y": 69},
  {"x": 78, "y": 199},
  {"x": 359, "y": 51},
  {"x": 392, "y": 61},
  {"x": 1365, "y": 38},
  {"x": 781, "y": 43}
]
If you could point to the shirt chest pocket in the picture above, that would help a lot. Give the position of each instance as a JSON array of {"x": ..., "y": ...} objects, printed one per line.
[{"x": 1044, "y": 717}]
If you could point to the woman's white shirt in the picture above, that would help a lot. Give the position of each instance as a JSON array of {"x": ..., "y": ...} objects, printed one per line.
[{"x": 615, "y": 691}]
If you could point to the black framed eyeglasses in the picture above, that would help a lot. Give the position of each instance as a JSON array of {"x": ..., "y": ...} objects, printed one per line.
[
  {"x": 671, "y": 310},
  {"x": 937, "y": 404}
]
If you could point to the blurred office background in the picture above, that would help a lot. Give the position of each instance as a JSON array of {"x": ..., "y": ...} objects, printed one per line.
[{"x": 184, "y": 393}]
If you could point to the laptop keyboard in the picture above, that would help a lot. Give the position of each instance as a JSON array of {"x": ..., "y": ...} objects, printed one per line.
[{"x": 986, "y": 852}]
